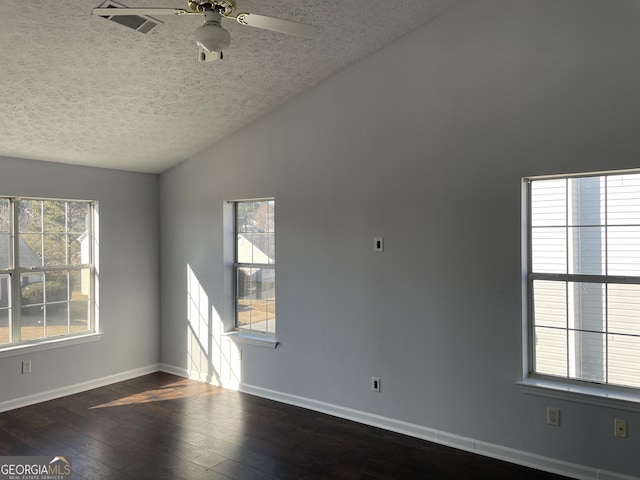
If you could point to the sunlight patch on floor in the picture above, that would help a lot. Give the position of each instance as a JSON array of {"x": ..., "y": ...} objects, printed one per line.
[{"x": 173, "y": 391}]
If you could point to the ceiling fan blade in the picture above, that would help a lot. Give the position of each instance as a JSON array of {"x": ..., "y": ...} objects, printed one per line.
[
  {"x": 277, "y": 25},
  {"x": 109, "y": 12}
]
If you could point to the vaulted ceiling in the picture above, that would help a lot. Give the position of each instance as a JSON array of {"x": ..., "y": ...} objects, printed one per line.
[{"x": 76, "y": 88}]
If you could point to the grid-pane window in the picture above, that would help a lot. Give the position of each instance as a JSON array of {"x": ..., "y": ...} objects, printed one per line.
[
  {"x": 584, "y": 277},
  {"x": 5, "y": 284},
  {"x": 46, "y": 269},
  {"x": 254, "y": 267}
]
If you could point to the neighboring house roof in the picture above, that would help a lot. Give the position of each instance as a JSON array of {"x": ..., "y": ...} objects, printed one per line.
[
  {"x": 28, "y": 257},
  {"x": 247, "y": 249}
]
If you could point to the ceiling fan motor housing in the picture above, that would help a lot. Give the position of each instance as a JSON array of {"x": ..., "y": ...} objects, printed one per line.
[{"x": 224, "y": 7}]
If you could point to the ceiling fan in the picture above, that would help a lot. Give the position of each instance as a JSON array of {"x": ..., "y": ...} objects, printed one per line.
[{"x": 211, "y": 38}]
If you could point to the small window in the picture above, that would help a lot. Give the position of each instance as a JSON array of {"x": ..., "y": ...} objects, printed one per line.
[
  {"x": 255, "y": 266},
  {"x": 46, "y": 270},
  {"x": 584, "y": 278}
]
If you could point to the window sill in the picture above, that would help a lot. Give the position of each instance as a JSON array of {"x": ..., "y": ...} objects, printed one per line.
[
  {"x": 48, "y": 344},
  {"x": 592, "y": 395},
  {"x": 255, "y": 339}
]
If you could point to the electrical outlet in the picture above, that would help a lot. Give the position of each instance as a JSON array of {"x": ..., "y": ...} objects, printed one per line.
[
  {"x": 553, "y": 416},
  {"x": 26, "y": 366},
  {"x": 620, "y": 426},
  {"x": 375, "y": 384}
]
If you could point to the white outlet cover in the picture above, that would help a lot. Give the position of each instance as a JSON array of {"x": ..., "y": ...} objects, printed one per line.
[
  {"x": 553, "y": 416},
  {"x": 375, "y": 384},
  {"x": 620, "y": 428}
]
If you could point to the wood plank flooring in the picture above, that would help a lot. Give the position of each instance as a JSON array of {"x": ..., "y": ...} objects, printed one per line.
[{"x": 160, "y": 426}]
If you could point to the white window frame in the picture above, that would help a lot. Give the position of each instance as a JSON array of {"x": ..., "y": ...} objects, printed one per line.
[
  {"x": 15, "y": 272},
  {"x": 247, "y": 335},
  {"x": 600, "y": 393}
]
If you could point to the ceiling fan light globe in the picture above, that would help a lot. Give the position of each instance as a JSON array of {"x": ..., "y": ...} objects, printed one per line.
[{"x": 212, "y": 38}]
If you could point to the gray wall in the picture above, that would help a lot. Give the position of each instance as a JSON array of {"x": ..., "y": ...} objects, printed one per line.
[
  {"x": 129, "y": 272},
  {"x": 424, "y": 143}
]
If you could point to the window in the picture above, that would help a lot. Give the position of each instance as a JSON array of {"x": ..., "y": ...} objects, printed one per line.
[
  {"x": 46, "y": 270},
  {"x": 254, "y": 266},
  {"x": 584, "y": 278}
]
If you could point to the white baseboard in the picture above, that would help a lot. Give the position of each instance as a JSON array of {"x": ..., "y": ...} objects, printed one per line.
[
  {"x": 190, "y": 374},
  {"x": 76, "y": 388},
  {"x": 462, "y": 443}
]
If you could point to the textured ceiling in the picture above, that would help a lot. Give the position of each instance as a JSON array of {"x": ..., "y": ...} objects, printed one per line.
[{"x": 75, "y": 88}]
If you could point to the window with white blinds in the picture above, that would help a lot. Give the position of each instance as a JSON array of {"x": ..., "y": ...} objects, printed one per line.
[{"x": 584, "y": 277}]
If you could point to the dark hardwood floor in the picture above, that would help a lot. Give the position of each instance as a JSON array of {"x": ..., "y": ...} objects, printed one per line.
[{"x": 165, "y": 427}]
